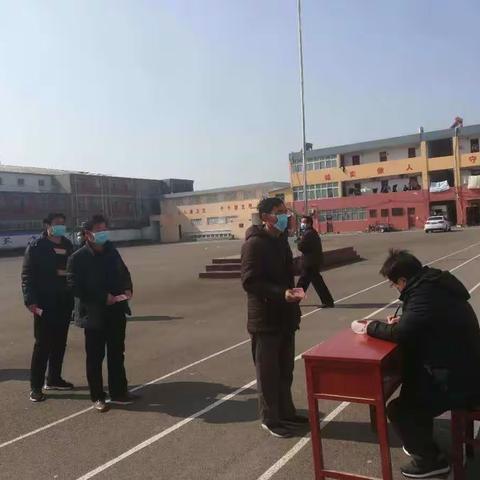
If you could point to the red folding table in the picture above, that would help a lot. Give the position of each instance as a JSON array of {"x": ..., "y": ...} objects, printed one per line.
[{"x": 353, "y": 368}]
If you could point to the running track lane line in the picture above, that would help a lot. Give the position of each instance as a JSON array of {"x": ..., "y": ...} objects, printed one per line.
[
  {"x": 276, "y": 467},
  {"x": 209, "y": 357},
  {"x": 178, "y": 425}
]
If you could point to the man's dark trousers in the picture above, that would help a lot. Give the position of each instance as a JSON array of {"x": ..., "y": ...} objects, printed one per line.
[
  {"x": 50, "y": 332},
  {"x": 274, "y": 358},
  {"x": 413, "y": 412},
  {"x": 312, "y": 275},
  {"x": 112, "y": 337}
]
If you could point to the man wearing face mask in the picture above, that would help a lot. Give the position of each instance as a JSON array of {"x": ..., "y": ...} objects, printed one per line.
[
  {"x": 273, "y": 315},
  {"x": 102, "y": 286},
  {"x": 45, "y": 292},
  {"x": 310, "y": 245},
  {"x": 439, "y": 336}
]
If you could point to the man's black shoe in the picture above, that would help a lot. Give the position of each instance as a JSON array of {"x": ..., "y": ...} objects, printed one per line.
[
  {"x": 277, "y": 430},
  {"x": 296, "y": 420},
  {"x": 327, "y": 305},
  {"x": 126, "y": 399},
  {"x": 60, "y": 384},
  {"x": 37, "y": 396},
  {"x": 426, "y": 469}
]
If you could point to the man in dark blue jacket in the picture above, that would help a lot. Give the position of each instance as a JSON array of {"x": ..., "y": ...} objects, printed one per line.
[
  {"x": 439, "y": 335},
  {"x": 47, "y": 297},
  {"x": 102, "y": 286}
]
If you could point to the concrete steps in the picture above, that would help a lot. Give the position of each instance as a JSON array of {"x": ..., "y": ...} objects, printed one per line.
[{"x": 226, "y": 268}]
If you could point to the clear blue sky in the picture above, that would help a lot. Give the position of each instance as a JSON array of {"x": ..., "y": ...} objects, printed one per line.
[{"x": 208, "y": 89}]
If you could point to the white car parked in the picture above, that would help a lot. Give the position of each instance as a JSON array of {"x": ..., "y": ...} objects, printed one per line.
[{"x": 437, "y": 223}]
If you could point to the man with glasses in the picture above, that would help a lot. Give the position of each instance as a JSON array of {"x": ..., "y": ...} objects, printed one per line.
[{"x": 439, "y": 336}]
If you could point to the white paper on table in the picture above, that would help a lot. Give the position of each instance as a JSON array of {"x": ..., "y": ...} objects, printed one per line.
[{"x": 360, "y": 326}]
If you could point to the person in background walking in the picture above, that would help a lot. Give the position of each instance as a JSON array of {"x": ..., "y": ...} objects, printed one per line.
[
  {"x": 46, "y": 295},
  {"x": 273, "y": 315},
  {"x": 310, "y": 245},
  {"x": 102, "y": 287}
]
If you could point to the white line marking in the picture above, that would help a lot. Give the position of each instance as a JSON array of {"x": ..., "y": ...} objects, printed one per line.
[
  {"x": 299, "y": 445},
  {"x": 180, "y": 424},
  {"x": 166, "y": 432},
  {"x": 213, "y": 355}
]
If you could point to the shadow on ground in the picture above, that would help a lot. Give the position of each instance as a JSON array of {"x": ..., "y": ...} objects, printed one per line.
[{"x": 153, "y": 318}]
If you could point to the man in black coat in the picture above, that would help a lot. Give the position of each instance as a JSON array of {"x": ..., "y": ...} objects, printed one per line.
[
  {"x": 45, "y": 293},
  {"x": 273, "y": 315},
  {"x": 102, "y": 286},
  {"x": 310, "y": 245},
  {"x": 439, "y": 335}
]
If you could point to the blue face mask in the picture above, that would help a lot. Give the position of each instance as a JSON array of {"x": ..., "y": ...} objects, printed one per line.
[
  {"x": 282, "y": 222},
  {"x": 58, "y": 230},
  {"x": 100, "y": 238}
]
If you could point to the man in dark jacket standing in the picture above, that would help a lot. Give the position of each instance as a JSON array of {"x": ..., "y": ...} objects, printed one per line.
[
  {"x": 310, "y": 245},
  {"x": 439, "y": 335},
  {"x": 273, "y": 315},
  {"x": 46, "y": 295},
  {"x": 102, "y": 287}
]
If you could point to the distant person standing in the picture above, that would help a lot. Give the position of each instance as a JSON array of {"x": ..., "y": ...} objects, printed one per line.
[
  {"x": 310, "y": 245},
  {"x": 45, "y": 292},
  {"x": 102, "y": 287},
  {"x": 273, "y": 315}
]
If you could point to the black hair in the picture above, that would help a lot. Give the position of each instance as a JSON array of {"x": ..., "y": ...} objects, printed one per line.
[
  {"x": 400, "y": 263},
  {"x": 308, "y": 218},
  {"x": 94, "y": 220},
  {"x": 266, "y": 205},
  {"x": 52, "y": 216}
]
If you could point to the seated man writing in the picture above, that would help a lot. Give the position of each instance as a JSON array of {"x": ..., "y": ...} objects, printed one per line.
[{"x": 439, "y": 335}]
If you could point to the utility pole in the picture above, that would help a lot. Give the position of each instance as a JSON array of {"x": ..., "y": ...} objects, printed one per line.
[{"x": 302, "y": 96}]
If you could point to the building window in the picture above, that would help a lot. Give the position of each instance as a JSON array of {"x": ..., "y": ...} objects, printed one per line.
[
  {"x": 1, "y": 181},
  {"x": 383, "y": 156},
  {"x": 220, "y": 220},
  {"x": 320, "y": 163},
  {"x": 343, "y": 214},
  {"x": 20, "y": 182},
  {"x": 355, "y": 159},
  {"x": 41, "y": 183},
  {"x": 203, "y": 210},
  {"x": 196, "y": 221},
  {"x": 243, "y": 207},
  {"x": 297, "y": 166},
  {"x": 373, "y": 214},
  {"x": 236, "y": 207},
  {"x": 315, "y": 192},
  {"x": 240, "y": 225},
  {"x": 397, "y": 212},
  {"x": 412, "y": 152},
  {"x": 191, "y": 212},
  {"x": 474, "y": 146},
  {"x": 384, "y": 212}
]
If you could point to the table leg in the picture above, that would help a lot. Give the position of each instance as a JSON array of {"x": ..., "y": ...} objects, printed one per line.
[
  {"x": 373, "y": 418},
  {"x": 382, "y": 429},
  {"x": 315, "y": 431}
]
